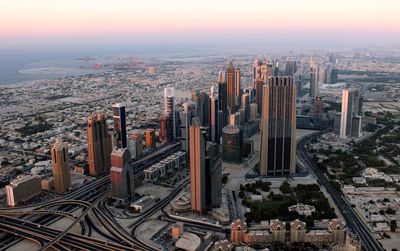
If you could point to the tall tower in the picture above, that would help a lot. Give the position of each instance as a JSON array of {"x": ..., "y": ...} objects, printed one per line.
[
  {"x": 222, "y": 96},
  {"x": 119, "y": 118},
  {"x": 313, "y": 80},
  {"x": 237, "y": 86},
  {"x": 60, "y": 163},
  {"x": 349, "y": 120},
  {"x": 213, "y": 115},
  {"x": 121, "y": 175},
  {"x": 169, "y": 111},
  {"x": 245, "y": 105},
  {"x": 257, "y": 69},
  {"x": 259, "y": 94},
  {"x": 185, "y": 121},
  {"x": 230, "y": 84},
  {"x": 278, "y": 127},
  {"x": 197, "y": 167},
  {"x": 99, "y": 145}
]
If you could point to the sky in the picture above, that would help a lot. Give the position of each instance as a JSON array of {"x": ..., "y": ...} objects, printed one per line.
[{"x": 287, "y": 23}]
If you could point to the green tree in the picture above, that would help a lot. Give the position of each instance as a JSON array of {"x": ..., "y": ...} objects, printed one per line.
[{"x": 285, "y": 188}]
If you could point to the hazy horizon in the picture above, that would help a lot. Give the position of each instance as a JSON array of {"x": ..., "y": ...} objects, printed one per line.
[{"x": 291, "y": 24}]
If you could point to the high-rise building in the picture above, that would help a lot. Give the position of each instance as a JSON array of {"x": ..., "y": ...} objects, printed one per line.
[
  {"x": 222, "y": 96},
  {"x": 164, "y": 135},
  {"x": 237, "y": 86},
  {"x": 232, "y": 144},
  {"x": 313, "y": 80},
  {"x": 245, "y": 104},
  {"x": 298, "y": 81},
  {"x": 257, "y": 69},
  {"x": 138, "y": 138},
  {"x": 150, "y": 138},
  {"x": 60, "y": 164},
  {"x": 185, "y": 120},
  {"x": 253, "y": 111},
  {"x": 350, "y": 108},
  {"x": 197, "y": 98},
  {"x": 322, "y": 75},
  {"x": 259, "y": 94},
  {"x": 230, "y": 84},
  {"x": 213, "y": 173},
  {"x": 267, "y": 70},
  {"x": 214, "y": 115},
  {"x": 234, "y": 119},
  {"x": 99, "y": 145},
  {"x": 290, "y": 67},
  {"x": 278, "y": 127},
  {"x": 119, "y": 118},
  {"x": 334, "y": 76},
  {"x": 169, "y": 112},
  {"x": 121, "y": 175},
  {"x": 197, "y": 167}
]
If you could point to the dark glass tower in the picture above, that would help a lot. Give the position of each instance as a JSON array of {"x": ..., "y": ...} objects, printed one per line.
[{"x": 119, "y": 117}]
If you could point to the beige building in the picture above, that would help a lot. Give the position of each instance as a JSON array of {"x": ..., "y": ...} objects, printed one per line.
[
  {"x": 60, "y": 164},
  {"x": 335, "y": 234},
  {"x": 47, "y": 184},
  {"x": 197, "y": 167},
  {"x": 22, "y": 188},
  {"x": 177, "y": 230}
]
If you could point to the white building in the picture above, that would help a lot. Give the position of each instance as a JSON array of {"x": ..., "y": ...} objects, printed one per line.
[{"x": 302, "y": 209}]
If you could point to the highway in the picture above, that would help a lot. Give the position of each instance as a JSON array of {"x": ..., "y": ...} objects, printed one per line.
[
  {"x": 355, "y": 224},
  {"x": 69, "y": 239}
]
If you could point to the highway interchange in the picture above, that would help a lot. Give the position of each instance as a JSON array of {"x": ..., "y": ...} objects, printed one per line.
[{"x": 33, "y": 222}]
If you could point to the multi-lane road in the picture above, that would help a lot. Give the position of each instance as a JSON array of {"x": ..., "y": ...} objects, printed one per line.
[{"x": 353, "y": 220}]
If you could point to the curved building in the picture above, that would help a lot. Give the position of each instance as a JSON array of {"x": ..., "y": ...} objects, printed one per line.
[{"x": 232, "y": 144}]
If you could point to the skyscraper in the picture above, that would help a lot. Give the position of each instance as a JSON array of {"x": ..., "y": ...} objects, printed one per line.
[
  {"x": 257, "y": 69},
  {"x": 197, "y": 167},
  {"x": 99, "y": 145},
  {"x": 121, "y": 175},
  {"x": 230, "y": 84},
  {"x": 164, "y": 134},
  {"x": 222, "y": 96},
  {"x": 185, "y": 120},
  {"x": 245, "y": 104},
  {"x": 237, "y": 86},
  {"x": 169, "y": 111},
  {"x": 313, "y": 80},
  {"x": 278, "y": 127},
  {"x": 350, "y": 122},
  {"x": 259, "y": 94},
  {"x": 214, "y": 115},
  {"x": 60, "y": 163},
  {"x": 119, "y": 118},
  {"x": 290, "y": 67},
  {"x": 213, "y": 173},
  {"x": 150, "y": 138}
]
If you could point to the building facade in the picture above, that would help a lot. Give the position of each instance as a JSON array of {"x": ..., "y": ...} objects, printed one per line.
[
  {"x": 99, "y": 145},
  {"x": 121, "y": 175},
  {"x": 278, "y": 127},
  {"x": 119, "y": 118},
  {"x": 60, "y": 165}
]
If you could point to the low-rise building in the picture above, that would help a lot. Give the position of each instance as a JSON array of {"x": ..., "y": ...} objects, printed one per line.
[
  {"x": 143, "y": 203},
  {"x": 22, "y": 188},
  {"x": 188, "y": 242},
  {"x": 302, "y": 209}
]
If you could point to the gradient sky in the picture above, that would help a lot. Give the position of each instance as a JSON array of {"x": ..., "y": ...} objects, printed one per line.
[{"x": 141, "y": 22}]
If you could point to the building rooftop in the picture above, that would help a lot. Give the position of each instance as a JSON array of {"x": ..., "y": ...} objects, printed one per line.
[{"x": 189, "y": 242}]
